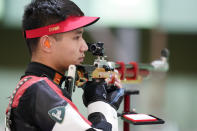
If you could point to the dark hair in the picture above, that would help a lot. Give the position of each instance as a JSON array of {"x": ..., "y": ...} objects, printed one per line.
[{"x": 41, "y": 13}]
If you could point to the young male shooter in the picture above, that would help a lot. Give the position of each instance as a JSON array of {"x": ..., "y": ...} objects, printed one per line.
[{"x": 53, "y": 32}]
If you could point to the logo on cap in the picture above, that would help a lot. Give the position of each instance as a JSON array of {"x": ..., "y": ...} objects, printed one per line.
[{"x": 51, "y": 29}]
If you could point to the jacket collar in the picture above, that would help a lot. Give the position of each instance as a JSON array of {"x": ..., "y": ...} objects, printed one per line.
[{"x": 41, "y": 70}]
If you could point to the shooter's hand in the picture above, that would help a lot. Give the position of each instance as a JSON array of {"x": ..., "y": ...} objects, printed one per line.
[
  {"x": 96, "y": 91},
  {"x": 115, "y": 92},
  {"x": 113, "y": 82}
]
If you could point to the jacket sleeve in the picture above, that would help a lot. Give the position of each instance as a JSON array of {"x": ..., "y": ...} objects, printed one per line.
[
  {"x": 107, "y": 111},
  {"x": 55, "y": 112}
]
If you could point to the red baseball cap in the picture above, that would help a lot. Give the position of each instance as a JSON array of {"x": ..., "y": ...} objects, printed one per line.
[{"x": 71, "y": 23}]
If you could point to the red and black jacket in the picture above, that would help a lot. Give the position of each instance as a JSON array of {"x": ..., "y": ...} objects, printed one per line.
[{"x": 40, "y": 92}]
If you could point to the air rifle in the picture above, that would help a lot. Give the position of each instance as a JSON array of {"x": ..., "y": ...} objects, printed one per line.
[{"x": 129, "y": 73}]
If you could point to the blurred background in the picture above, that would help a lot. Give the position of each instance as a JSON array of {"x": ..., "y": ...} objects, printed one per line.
[{"x": 132, "y": 30}]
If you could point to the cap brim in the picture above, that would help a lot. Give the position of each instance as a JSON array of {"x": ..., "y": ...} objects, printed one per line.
[
  {"x": 71, "y": 23},
  {"x": 79, "y": 22}
]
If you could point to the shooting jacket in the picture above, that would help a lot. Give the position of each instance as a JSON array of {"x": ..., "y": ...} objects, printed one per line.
[{"x": 40, "y": 104}]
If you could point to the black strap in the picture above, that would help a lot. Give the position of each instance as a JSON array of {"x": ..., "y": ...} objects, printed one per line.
[
  {"x": 99, "y": 121},
  {"x": 91, "y": 129}
]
